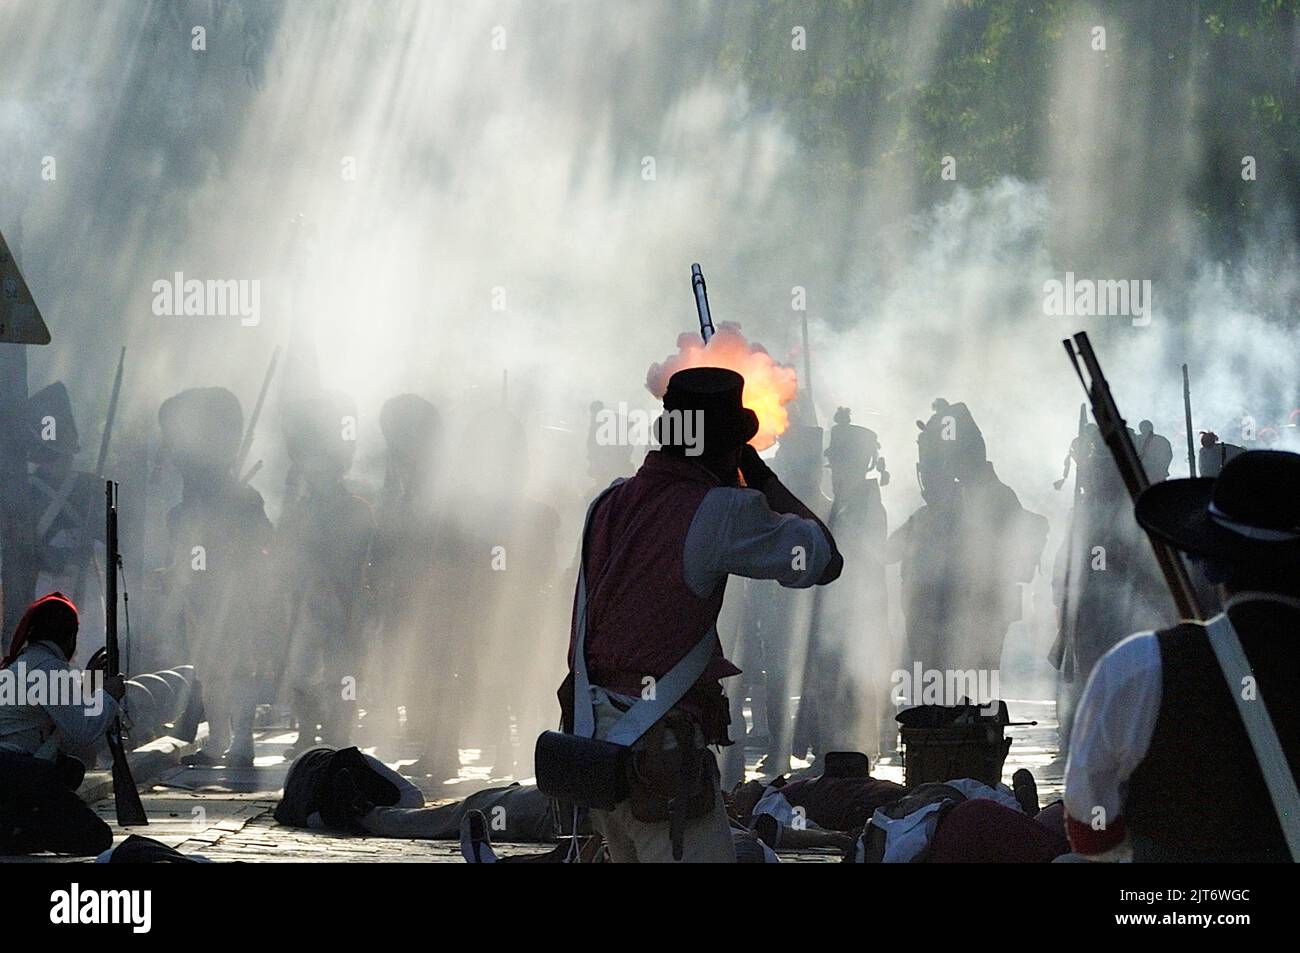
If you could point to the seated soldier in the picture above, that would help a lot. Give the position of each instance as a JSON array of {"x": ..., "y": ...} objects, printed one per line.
[{"x": 43, "y": 735}]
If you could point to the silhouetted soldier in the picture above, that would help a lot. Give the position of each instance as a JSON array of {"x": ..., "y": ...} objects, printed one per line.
[
  {"x": 845, "y": 693},
  {"x": 68, "y": 506},
  {"x": 1156, "y": 452},
  {"x": 216, "y": 578},
  {"x": 1214, "y": 453},
  {"x": 503, "y": 576},
  {"x": 322, "y": 545},
  {"x": 774, "y": 620},
  {"x": 408, "y": 594},
  {"x": 1105, "y": 577},
  {"x": 965, "y": 553}
]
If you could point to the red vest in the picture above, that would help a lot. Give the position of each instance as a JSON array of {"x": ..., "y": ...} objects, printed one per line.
[{"x": 642, "y": 618}]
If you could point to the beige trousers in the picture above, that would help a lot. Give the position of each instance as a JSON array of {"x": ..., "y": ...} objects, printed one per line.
[{"x": 707, "y": 839}]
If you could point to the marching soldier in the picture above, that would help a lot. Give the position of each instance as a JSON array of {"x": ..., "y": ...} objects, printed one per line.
[
  {"x": 965, "y": 553},
  {"x": 504, "y": 575},
  {"x": 218, "y": 539},
  {"x": 1156, "y": 452},
  {"x": 844, "y": 701},
  {"x": 68, "y": 506},
  {"x": 409, "y": 593},
  {"x": 322, "y": 546},
  {"x": 775, "y": 628}
]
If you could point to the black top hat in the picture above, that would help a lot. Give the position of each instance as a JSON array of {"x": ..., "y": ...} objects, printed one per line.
[
  {"x": 202, "y": 424},
  {"x": 1249, "y": 514},
  {"x": 716, "y": 393},
  {"x": 846, "y": 764}
]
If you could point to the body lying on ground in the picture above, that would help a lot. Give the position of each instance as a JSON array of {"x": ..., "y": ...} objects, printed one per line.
[{"x": 348, "y": 791}]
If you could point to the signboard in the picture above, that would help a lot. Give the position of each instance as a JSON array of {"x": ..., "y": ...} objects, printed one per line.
[{"x": 20, "y": 319}]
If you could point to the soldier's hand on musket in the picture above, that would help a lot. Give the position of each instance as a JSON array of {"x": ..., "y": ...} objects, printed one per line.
[
  {"x": 759, "y": 476},
  {"x": 754, "y": 469},
  {"x": 114, "y": 684}
]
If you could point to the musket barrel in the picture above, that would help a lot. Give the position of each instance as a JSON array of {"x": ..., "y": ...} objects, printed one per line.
[
  {"x": 1115, "y": 432},
  {"x": 702, "y": 303}
]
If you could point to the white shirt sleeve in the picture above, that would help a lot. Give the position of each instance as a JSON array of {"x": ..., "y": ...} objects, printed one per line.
[
  {"x": 1113, "y": 725},
  {"x": 80, "y": 719},
  {"x": 408, "y": 794},
  {"x": 735, "y": 532}
]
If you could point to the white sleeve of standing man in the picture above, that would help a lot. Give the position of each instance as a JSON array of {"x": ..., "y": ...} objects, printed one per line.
[
  {"x": 1113, "y": 725},
  {"x": 735, "y": 532}
]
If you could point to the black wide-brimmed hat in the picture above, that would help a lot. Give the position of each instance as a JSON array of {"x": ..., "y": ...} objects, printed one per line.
[
  {"x": 1250, "y": 513},
  {"x": 716, "y": 392}
]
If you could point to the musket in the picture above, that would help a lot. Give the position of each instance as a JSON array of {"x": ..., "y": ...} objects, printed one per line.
[
  {"x": 100, "y": 463},
  {"x": 1116, "y": 434},
  {"x": 107, "y": 436},
  {"x": 1187, "y": 415},
  {"x": 247, "y": 443},
  {"x": 126, "y": 798},
  {"x": 702, "y": 303}
]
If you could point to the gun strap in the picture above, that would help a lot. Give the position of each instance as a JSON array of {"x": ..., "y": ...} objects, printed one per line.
[{"x": 1271, "y": 758}]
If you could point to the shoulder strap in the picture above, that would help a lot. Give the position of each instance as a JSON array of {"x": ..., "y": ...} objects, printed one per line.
[
  {"x": 668, "y": 691},
  {"x": 1259, "y": 726}
]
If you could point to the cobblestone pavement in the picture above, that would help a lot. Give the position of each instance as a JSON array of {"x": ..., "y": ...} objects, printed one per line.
[{"x": 225, "y": 814}]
